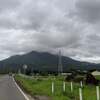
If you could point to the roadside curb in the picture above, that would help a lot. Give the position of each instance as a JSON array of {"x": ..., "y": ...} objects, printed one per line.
[{"x": 25, "y": 96}]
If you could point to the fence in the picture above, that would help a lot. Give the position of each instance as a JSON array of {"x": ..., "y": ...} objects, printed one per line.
[
  {"x": 71, "y": 87},
  {"x": 80, "y": 90}
]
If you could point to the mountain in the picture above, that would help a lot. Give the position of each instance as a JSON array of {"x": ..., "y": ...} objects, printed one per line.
[{"x": 43, "y": 61}]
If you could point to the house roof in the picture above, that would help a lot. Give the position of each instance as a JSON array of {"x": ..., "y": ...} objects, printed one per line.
[{"x": 96, "y": 73}]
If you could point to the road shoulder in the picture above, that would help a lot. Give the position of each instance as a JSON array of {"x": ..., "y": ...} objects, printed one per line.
[{"x": 26, "y": 96}]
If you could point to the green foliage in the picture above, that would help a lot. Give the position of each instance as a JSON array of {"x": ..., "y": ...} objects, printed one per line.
[
  {"x": 42, "y": 86},
  {"x": 42, "y": 62}
]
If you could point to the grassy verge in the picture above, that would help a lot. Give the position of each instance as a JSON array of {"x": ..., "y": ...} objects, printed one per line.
[{"x": 42, "y": 86}]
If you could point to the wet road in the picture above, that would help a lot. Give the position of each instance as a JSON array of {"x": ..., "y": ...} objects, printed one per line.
[{"x": 8, "y": 89}]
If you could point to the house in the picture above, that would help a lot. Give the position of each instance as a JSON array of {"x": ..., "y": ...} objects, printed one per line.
[
  {"x": 95, "y": 73},
  {"x": 65, "y": 74}
]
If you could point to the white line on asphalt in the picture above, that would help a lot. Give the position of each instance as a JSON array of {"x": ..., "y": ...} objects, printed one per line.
[{"x": 21, "y": 90}]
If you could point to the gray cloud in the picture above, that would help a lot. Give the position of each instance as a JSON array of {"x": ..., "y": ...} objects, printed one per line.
[
  {"x": 6, "y": 5},
  {"x": 88, "y": 10},
  {"x": 45, "y": 25}
]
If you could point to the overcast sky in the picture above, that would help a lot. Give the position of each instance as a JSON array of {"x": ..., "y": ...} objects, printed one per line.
[{"x": 49, "y": 25}]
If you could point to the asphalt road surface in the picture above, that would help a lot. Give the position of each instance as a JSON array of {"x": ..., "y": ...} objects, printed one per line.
[{"x": 8, "y": 89}]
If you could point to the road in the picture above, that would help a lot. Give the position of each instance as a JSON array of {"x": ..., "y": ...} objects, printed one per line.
[{"x": 8, "y": 89}]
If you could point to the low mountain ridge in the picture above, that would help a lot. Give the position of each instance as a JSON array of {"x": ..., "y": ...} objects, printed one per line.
[{"x": 44, "y": 61}]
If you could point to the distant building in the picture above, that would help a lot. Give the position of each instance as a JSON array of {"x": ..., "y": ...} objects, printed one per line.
[
  {"x": 65, "y": 74},
  {"x": 95, "y": 73}
]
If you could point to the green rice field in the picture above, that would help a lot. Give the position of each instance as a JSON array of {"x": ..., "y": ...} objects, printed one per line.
[{"x": 42, "y": 86}]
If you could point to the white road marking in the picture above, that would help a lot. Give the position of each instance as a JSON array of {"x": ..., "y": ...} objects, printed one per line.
[{"x": 25, "y": 96}]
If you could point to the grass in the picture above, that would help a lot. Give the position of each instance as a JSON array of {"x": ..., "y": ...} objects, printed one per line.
[{"x": 42, "y": 86}]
